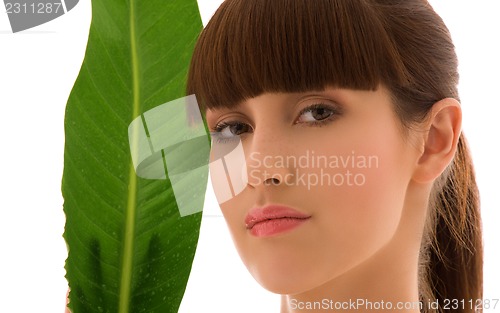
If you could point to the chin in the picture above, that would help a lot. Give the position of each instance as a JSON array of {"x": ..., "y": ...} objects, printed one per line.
[
  {"x": 285, "y": 277},
  {"x": 282, "y": 285}
]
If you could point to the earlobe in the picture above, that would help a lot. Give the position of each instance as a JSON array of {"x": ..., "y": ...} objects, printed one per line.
[{"x": 440, "y": 141}]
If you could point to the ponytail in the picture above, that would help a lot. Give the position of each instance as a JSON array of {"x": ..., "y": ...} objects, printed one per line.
[{"x": 453, "y": 256}]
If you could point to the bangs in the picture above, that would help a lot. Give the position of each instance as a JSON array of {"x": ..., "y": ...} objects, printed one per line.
[{"x": 252, "y": 47}]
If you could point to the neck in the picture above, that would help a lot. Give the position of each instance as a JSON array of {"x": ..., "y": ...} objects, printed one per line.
[
  {"x": 380, "y": 284},
  {"x": 385, "y": 282}
]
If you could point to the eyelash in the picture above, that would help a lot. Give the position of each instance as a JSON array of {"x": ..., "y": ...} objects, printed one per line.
[
  {"x": 219, "y": 127},
  {"x": 334, "y": 113}
]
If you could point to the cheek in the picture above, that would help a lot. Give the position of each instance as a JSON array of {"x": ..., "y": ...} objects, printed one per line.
[{"x": 360, "y": 216}]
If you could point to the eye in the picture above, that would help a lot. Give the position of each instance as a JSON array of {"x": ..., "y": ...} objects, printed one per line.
[
  {"x": 317, "y": 114},
  {"x": 225, "y": 131}
]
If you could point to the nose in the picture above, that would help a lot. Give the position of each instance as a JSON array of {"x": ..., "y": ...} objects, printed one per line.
[
  {"x": 269, "y": 153},
  {"x": 257, "y": 161}
]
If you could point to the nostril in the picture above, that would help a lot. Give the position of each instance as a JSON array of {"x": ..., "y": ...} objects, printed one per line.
[{"x": 272, "y": 181}]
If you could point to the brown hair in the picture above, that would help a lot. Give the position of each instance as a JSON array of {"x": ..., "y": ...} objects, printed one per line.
[{"x": 252, "y": 47}]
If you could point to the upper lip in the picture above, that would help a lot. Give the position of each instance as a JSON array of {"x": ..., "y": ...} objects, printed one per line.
[{"x": 271, "y": 212}]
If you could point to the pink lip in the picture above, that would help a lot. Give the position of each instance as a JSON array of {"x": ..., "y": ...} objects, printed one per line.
[{"x": 273, "y": 219}]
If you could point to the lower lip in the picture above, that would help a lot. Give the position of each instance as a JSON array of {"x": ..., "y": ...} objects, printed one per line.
[{"x": 276, "y": 226}]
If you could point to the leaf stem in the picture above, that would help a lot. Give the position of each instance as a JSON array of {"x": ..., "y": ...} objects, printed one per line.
[{"x": 128, "y": 245}]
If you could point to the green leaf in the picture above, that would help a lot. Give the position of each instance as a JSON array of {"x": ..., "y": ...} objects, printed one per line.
[{"x": 129, "y": 248}]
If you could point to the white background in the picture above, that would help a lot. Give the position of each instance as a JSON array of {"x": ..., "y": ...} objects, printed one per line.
[{"x": 38, "y": 68}]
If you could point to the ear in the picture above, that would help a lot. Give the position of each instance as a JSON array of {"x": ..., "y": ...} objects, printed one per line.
[{"x": 440, "y": 141}]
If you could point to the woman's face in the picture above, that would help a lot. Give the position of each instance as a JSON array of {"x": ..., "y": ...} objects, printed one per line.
[{"x": 336, "y": 158}]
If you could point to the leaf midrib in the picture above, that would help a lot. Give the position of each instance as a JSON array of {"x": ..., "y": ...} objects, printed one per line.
[{"x": 128, "y": 245}]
